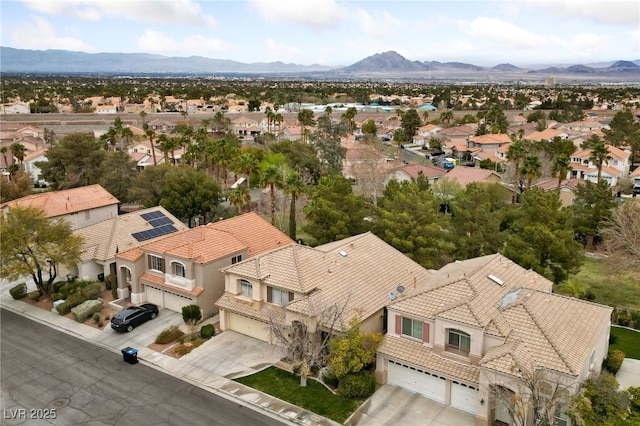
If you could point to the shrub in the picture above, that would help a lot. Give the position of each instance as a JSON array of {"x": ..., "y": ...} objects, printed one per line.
[
  {"x": 71, "y": 302},
  {"x": 57, "y": 286},
  {"x": 191, "y": 314},
  {"x": 360, "y": 385},
  {"x": 19, "y": 291},
  {"x": 34, "y": 295},
  {"x": 97, "y": 316},
  {"x": 111, "y": 278},
  {"x": 86, "y": 309},
  {"x": 92, "y": 289},
  {"x": 207, "y": 331},
  {"x": 330, "y": 379},
  {"x": 635, "y": 317},
  {"x": 613, "y": 338},
  {"x": 613, "y": 361},
  {"x": 624, "y": 319},
  {"x": 169, "y": 335}
]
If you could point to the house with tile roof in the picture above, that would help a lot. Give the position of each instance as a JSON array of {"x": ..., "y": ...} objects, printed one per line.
[
  {"x": 491, "y": 140},
  {"x": 104, "y": 240},
  {"x": 408, "y": 172},
  {"x": 482, "y": 323},
  {"x": 298, "y": 283},
  {"x": 616, "y": 167},
  {"x": 567, "y": 189},
  {"x": 29, "y": 165},
  {"x": 80, "y": 207},
  {"x": 182, "y": 268}
]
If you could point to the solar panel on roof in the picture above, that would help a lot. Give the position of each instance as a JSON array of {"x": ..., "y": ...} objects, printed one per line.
[
  {"x": 152, "y": 215},
  {"x": 160, "y": 221},
  {"x": 166, "y": 229}
]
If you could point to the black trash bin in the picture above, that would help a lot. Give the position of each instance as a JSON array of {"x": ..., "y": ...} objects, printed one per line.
[{"x": 130, "y": 355}]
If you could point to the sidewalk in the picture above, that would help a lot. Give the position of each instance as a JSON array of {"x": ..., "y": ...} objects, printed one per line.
[{"x": 186, "y": 368}]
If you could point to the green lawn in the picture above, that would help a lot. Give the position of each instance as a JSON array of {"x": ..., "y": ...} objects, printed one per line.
[
  {"x": 612, "y": 290},
  {"x": 628, "y": 342},
  {"x": 314, "y": 397}
]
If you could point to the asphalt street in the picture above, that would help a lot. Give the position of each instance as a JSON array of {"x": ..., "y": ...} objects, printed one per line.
[{"x": 48, "y": 377}]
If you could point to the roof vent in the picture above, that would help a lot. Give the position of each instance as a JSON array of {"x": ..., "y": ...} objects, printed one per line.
[
  {"x": 495, "y": 279},
  {"x": 343, "y": 253}
]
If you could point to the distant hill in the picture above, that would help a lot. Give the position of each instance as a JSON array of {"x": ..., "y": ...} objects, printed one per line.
[
  {"x": 389, "y": 64},
  {"x": 385, "y": 62}
]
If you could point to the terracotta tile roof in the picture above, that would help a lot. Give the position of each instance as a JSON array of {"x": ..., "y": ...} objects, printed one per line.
[
  {"x": 159, "y": 281},
  {"x": 30, "y": 156},
  {"x": 360, "y": 270},
  {"x": 466, "y": 175},
  {"x": 416, "y": 353},
  {"x": 103, "y": 240},
  {"x": 219, "y": 239},
  {"x": 60, "y": 203},
  {"x": 459, "y": 131},
  {"x": 635, "y": 173},
  {"x": 546, "y": 134},
  {"x": 265, "y": 313},
  {"x": 551, "y": 184},
  {"x": 500, "y": 138}
]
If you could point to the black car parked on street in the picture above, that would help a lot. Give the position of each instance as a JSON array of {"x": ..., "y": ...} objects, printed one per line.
[{"x": 133, "y": 316}]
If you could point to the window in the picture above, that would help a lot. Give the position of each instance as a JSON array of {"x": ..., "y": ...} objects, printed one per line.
[
  {"x": 87, "y": 214},
  {"x": 179, "y": 269},
  {"x": 458, "y": 341},
  {"x": 412, "y": 328},
  {"x": 278, "y": 296},
  {"x": 553, "y": 400},
  {"x": 246, "y": 288},
  {"x": 156, "y": 263},
  {"x": 236, "y": 259}
]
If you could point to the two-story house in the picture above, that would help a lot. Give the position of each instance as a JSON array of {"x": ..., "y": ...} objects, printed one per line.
[
  {"x": 615, "y": 167},
  {"x": 183, "y": 268},
  {"x": 80, "y": 207},
  {"x": 299, "y": 283},
  {"x": 477, "y": 325}
]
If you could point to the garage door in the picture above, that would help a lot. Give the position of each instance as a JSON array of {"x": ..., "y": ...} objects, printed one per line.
[
  {"x": 175, "y": 302},
  {"x": 249, "y": 326},
  {"x": 154, "y": 295},
  {"x": 464, "y": 397},
  {"x": 415, "y": 380}
]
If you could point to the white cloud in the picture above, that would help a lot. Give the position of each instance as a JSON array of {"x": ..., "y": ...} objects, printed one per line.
[
  {"x": 155, "y": 42},
  {"x": 185, "y": 12},
  {"x": 316, "y": 14},
  {"x": 378, "y": 23},
  {"x": 41, "y": 35},
  {"x": 277, "y": 51},
  {"x": 505, "y": 34},
  {"x": 616, "y": 12}
]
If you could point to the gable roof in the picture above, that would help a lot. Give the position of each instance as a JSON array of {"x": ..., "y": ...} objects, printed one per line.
[
  {"x": 359, "y": 270},
  {"x": 103, "y": 240},
  {"x": 60, "y": 203},
  {"x": 466, "y": 175},
  {"x": 216, "y": 240},
  {"x": 491, "y": 138}
]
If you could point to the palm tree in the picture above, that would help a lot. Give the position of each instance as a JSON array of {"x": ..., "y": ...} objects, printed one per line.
[
  {"x": 272, "y": 178},
  {"x": 599, "y": 154},
  {"x": 164, "y": 144},
  {"x": 531, "y": 168},
  {"x": 305, "y": 118},
  {"x": 4, "y": 151},
  {"x": 247, "y": 164},
  {"x": 278, "y": 119},
  {"x": 240, "y": 197},
  {"x": 516, "y": 154},
  {"x": 350, "y": 117},
  {"x": 126, "y": 135},
  {"x": 293, "y": 185},
  {"x": 560, "y": 168},
  {"x": 143, "y": 114},
  {"x": 18, "y": 150},
  {"x": 151, "y": 134},
  {"x": 446, "y": 117},
  {"x": 425, "y": 115}
]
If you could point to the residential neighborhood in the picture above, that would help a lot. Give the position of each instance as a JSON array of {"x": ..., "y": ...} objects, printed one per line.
[{"x": 457, "y": 241}]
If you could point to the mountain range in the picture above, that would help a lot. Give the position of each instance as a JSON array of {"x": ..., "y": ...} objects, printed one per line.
[{"x": 380, "y": 65}]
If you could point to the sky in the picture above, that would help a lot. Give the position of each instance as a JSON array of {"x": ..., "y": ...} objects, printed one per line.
[{"x": 333, "y": 32}]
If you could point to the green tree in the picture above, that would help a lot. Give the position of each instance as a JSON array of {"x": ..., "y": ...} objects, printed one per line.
[
  {"x": 531, "y": 169},
  {"x": 116, "y": 174},
  {"x": 540, "y": 236},
  {"x": 333, "y": 211},
  {"x": 300, "y": 156},
  {"x": 622, "y": 238},
  {"x": 31, "y": 244},
  {"x": 18, "y": 150},
  {"x": 592, "y": 207},
  {"x": 600, "y": 403},
  {"x": 294, "y": 186},
  {"x": 410, "y": 123},
  {"x": 72, "y": 162},
  {"x": 306, "y": 119},
  {"x": 189, "y": 193},
  {"x": 151, "y": 135},
  {"x": 624, "y": 130},
  {"x": 247, "y": 164},
  {"x": 516, "y": 154},
  {"x": 350, "y": 117},
  {"x": 354, "y": 351},
  {"x": 407, "y": 218},
  {"x": 561, "y": 166},
  {"x": 191, "y": 315},
  {"x": 327, "y": 141},
  {"x": 446, "y": 117},
  {"x": 599, "y": 156},
  {"x": 146, "y": 186},
  {"x": 240, "y": 197},
  {"x": 369, "y": 127},
  {"x": 495, "y": 120},
  {"x": 271, "y": 177}
]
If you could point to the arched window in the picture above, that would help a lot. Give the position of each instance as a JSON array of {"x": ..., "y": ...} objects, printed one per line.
[
  {"x": 246, "y": 288},
  {"x": 458, "y": 341},
  {"x": 178, "y": 269}
]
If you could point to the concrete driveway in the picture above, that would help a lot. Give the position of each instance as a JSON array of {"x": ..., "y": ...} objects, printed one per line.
[
  {"x": 391, "y": 405},
  {"x": 629, "y": 373},
  {"x": 232, "y": 355},
  {"x": 144, "y": 334}
]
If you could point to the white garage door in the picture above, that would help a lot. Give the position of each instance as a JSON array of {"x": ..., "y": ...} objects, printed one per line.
[
  {"x": 154, "y": 295},
  {"x": 415, "y": 380},
  {"x": 464, "y": 397},
  {"x": 249, "y": 326},
  {"x": 175, "y": 302}
]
